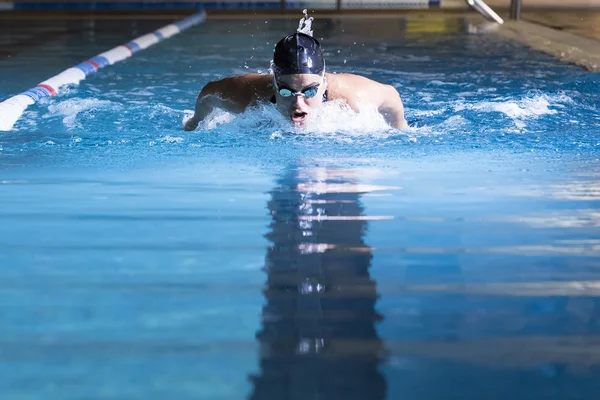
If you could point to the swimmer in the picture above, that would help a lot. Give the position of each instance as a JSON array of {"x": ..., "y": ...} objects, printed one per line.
[{"x": 298, "y": 87}]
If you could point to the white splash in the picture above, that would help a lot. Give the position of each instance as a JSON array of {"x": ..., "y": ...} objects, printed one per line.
[
  {"x": 216, "y": 118},
  {"x": 519, "y": 110},
  {"x": 171, "y": 139},
  {"x": 337, "y": 117},
  {"x": 531, "y": 107},
  {"x": 333, "y": 119},
  {"x": 305, "y": 24},
  {"x": 71, "y": 108}
]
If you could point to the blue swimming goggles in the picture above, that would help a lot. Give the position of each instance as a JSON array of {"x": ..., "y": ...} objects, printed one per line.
[{"x": 310, "y": 91}]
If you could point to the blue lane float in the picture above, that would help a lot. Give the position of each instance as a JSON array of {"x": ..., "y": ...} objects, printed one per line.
[{"x": 12, "y": 108}]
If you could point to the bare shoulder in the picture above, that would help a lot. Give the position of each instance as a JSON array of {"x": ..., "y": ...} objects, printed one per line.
[
  {"x": 248, "y": 81},
  {"x": 356, "y": 88},
  {"x": 251, "y": 79},
  {"x": 353, "y": 81},
  {"x": 242, "y": 89}
]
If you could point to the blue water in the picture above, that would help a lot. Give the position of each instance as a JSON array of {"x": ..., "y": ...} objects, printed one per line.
[{"x": 456, "y": 259}]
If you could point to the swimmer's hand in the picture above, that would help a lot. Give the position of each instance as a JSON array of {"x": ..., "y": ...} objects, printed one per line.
[
  {"x": 190, "y": 124},
  {"x": 392, "y": 108},
  {"x": 207, "y": 101}
]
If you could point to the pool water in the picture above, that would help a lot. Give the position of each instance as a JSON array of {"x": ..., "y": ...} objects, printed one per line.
[{"x": 456, "y": 259}]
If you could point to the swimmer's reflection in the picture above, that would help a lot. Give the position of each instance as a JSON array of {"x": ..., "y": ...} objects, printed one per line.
[{"x": 318, "y": 338}]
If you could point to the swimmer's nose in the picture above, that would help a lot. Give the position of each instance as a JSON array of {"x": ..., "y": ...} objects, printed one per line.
[{"x": 299, "y": 100}]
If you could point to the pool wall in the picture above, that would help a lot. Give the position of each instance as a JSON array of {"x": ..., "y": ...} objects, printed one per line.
[
  {"x": 125, "y": 5},
  {"x": 182, "y": 5}
]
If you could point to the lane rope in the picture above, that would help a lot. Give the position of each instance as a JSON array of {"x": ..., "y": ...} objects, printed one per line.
[{"x": 12, "y": 108}]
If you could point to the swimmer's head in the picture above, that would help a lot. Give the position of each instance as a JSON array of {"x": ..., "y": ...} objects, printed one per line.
[
  {"x": 298, "y": 53},
  {"x": 299, "y": 76}
]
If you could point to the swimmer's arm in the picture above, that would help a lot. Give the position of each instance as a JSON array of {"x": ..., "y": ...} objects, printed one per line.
[
  {"x": 392, "y": 108},
  {"x": 212, "y": 96}
]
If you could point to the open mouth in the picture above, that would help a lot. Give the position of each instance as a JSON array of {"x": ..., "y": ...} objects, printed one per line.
[{"x": 298, "y": 116}]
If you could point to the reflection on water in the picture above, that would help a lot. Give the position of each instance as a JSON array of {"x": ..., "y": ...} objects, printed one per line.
[
  {"x": 318, "y": 338},
  {"x": 579, "y": 190},
  {"x": 459, "y": 316}
]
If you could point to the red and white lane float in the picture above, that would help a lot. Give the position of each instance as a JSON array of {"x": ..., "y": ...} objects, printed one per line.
[{"x": 12, "y": 108}]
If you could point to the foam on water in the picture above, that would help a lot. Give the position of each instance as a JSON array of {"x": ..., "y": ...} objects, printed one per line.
[
  {"x": 169, "y": 139},
  {"x": 523, "y": 111},
  {"x": 71, "y": 108},
  {"x": 529, "y": 107},
  {"x": 91, "y": 121},
  {"x": 332, "y": 118}
]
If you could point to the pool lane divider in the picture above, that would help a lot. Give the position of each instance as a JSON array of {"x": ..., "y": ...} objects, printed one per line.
[{"x": 12, "y": 108}]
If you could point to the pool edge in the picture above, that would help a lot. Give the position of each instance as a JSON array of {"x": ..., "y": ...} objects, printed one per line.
[{"x": 564, "y": 46}]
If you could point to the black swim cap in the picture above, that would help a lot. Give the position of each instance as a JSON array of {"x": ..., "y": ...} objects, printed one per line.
[{"x": 298, "y": 53}]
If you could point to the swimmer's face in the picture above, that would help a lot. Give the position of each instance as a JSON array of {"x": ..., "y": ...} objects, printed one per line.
[{"x": 306, "y": 95}]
